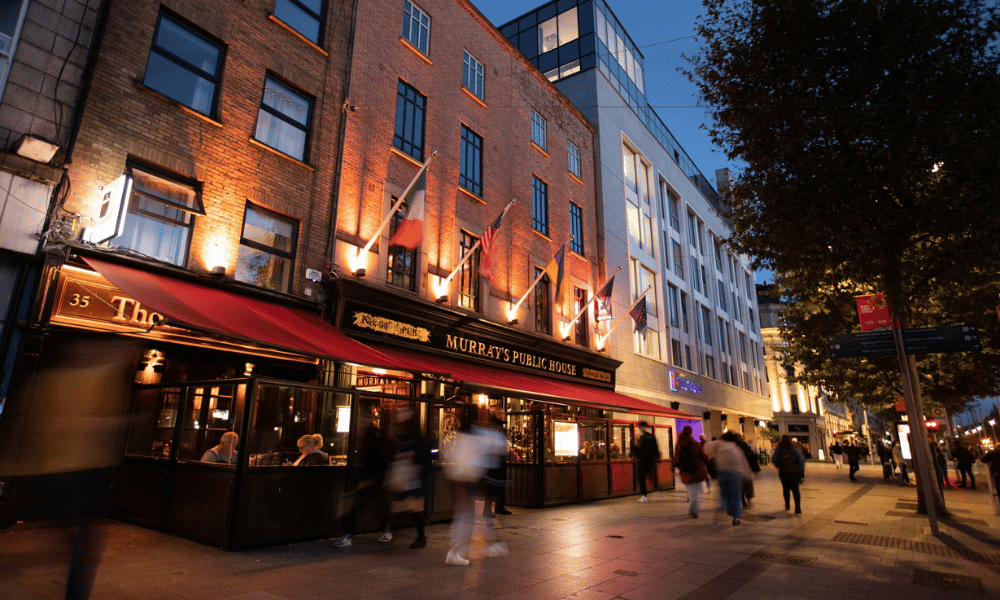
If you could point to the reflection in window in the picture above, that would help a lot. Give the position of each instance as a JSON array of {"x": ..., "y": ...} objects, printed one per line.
[
  {"x": 284, "y": 413},
  {"x": 159, "y": 219},
  {"x": 283, "y": 119},
  {"x": 621, "y": 442},
  {"x": 402, "y": 263},
  {"x": 472, "y": 75},
  {"x": 543, "y": 313},
  {"x": 593, "y": 441},
  {"x": 409, "y": 129},
  {"x": 468, "y": 274},
  {"x": 184, "y": 65},
  {"x": 267, "y": 249}
]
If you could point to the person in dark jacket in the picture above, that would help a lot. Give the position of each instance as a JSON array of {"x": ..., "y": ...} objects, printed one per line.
[
  {"x": 416, "y": 448},
  {"x": 370, "y": 479},
  {"x": 748, "y": 487},
  {"x": 692, "y": 462},
  {"x": 496, "y": 478},
  {"x": 853, "y": 454},
  {"x": 791, "y": 467},
  {"x": 647, "y": 451},
  {"x": 964, "y": 460}
]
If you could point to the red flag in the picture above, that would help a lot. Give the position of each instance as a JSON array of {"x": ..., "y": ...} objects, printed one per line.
[
  {"x": 410, "y": 231},
  {"x": 638, "y": 313},
  {"x": 602, "y": 301},
  {"x": 486, "y": 245}
]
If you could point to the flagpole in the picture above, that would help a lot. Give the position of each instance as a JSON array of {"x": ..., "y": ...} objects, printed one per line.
[
  {"x": 468, "y": 254},
  {"x": 586, "y": 306},
  {"x": 395, "y": 207},
  {"x": 513, "y": 309},
  {"x": 603, "y": 338}
]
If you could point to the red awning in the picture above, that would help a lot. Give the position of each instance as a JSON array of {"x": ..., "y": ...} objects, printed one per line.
[
  {"x": 527, "y": 385},
  {"x": 213, "y": 309}
]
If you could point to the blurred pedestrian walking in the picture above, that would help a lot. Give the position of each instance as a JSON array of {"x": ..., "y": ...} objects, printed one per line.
[
  {"x": 897, "y": 457},
  {"x": 411, "y": 473},
  {"x": 496, "y": 478},
  {"x": 748, "y": 484},
  {"x": 648, "y": 452},
  {"x": 791, "y": 467},
  {"x": 692, "y": 462},
  {"x": 838, "y": 454},
  {"x": 374, "y": 444},
  {"x": 732, "y": 469},
  {"x": 853, "y": 454},
  {"x": 963, "y": 461}
]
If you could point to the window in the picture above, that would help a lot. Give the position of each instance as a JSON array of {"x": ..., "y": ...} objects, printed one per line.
[
  {"x": 794, "y": 399},
  {"x": 543, "y": 317},
  {"x": 470, "y": 174},
  {"x": 694, "y": 273},
  {"x": 538, "y": 125},
  {"x": 574, "y": 160},
  {"x": 678, "y": 260},
  {"x": 709, "y": 366},
  {"x": 576, "y": 228},
  {"x": 684, "y": 315},
  {"x": 672, "y": 303},
  {"x": 267, "y": 249},
  {"x": 557, "y": 31},
  {"x": 718, "y": 254},
  {"x": 472, "y": 75},
  {"x": 722, "y": 296},
  {"x": 416, "y": 27},
  {"x": 402, "y": 262},
  {"x": 582, "y": 324},
  {"x": 693, "y": 231},
  {"x": 673, "y": 204},
  {"x": 160, "y": 215},
  {"x": 184, "y": 65},
  {"x": 677, "y": 359},
  {"x": 468, "y": 275},
  {"x": 11, "y": 19},
  {"x": 304, "y": 16},
  {"x": 687, "y": 356},
  {"x": 410, "y": 108},
  {"x": 706, "y": 323},
  {"x": 722, "y": 335},
  {"x": 539, "y": 206},
  {"x": 283, "y": 120}
]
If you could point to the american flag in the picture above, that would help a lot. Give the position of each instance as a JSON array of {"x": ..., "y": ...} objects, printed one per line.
[
  {"x": 486, "y": 245},
  {"x": 638, "y": 313}
]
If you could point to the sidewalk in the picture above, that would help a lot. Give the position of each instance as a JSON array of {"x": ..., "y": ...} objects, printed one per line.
[{"x": 853, "y": 540}]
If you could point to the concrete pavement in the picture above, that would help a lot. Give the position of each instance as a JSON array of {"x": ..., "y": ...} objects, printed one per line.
[{"x": 853, "y": 541}]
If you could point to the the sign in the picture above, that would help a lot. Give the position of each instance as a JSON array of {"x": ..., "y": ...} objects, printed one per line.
[
  {"x": 111, "y": 215},
  {"x": 314, "y": 275},
  {"x": 679, "y": 383},
  {"x": 87, "y": 299},
  {"x": 958, "y": 338},
  {"x": 873, "y": 312},
  {"x": 862, "y": 345}
]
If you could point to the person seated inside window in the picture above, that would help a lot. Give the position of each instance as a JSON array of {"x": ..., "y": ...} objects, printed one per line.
[
  {"x": 588, "y": 452},
  {"x": 616, "y": 451},
  {"x": 312, "y": 456},
  {"x": 225, "y": 452}
]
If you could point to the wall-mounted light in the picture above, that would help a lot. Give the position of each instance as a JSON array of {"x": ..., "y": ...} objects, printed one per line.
[
  {"x": 706, "y": 415},
  {"x": 218, "y": 271},
  {"x": 248, "y": 369},
  {"x": 357, "y": 261},
  {"x": 441, "y": 287},
  {"x": 565, "y": 329}
]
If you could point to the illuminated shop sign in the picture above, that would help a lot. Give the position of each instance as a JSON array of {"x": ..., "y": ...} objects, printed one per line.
[
  {"x": 679, "y": 383},
  {"x": 86, "y": 298}
]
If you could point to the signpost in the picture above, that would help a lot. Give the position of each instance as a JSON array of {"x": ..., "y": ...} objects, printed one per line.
[{"x": 957, "y": 338}]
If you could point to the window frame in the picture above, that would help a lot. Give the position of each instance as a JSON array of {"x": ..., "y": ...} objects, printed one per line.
[
  {"x": 215, "y": 78},
  {"x": 472, "y": 184},
  {"x": 576, "y": 227},
  {"x": 539, "y": 205},
  {"x": 421, "y": 43},
  {"x": 474, "y": 75},
  {"x": 573, "y": 160},
  {"x": 409, "y": 98},
  {"x": 582, "y": 325},
  {"x": 290, "y": 255},
  {"x": 543, "y": 303},
  {"x": 468, "y": 274},
  {"x": 404, "y": 276},
  {"x": 320, "y": 17},
  {"x": 282, "y": 117},
  {"x": 539, "y": 130}
]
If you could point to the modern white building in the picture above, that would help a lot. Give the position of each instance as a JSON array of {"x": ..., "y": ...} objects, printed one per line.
[{"x": 662, "y": 229}]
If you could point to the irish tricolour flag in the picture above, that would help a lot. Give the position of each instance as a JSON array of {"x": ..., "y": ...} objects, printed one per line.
[{"x": 410, "y": 231}]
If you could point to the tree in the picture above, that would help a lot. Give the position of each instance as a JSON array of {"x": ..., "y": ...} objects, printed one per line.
[{"x": 869, "y": 131}]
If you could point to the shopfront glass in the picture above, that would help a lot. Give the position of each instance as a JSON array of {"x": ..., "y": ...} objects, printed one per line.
[
  {"x": 283, "y": 413},
  {"x": 621, "y": 441}
]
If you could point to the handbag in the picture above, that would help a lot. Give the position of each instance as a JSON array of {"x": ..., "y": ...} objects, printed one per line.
[{"x": 403, "y": 475}]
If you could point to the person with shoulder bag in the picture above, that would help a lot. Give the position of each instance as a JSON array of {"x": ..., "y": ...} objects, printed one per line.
[
  {"x": 693, "y": 466},
  {"x": 791, "y": 467}
]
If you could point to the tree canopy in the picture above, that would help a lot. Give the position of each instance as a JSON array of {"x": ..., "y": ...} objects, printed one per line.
[{"x": 870, "y": 131}]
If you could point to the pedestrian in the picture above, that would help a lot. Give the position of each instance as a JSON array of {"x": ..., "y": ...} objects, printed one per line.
[
  {"x": 468, "y": 457},
  {"x": 791, "y": 467},
  {"x": 853, "y": 454},
  {"x": 940, "y": 466},
  {"x": 897, "y": 457},
  {"x": 838, "y": 454},
  {"x": 748, "y": 485},
  {"x": 708, "y": 480},
  {"x": 992, "y": 458},
  {"x": 692, "y": 462},
  {"x": 963, "y": 461},
  {"x": 647, "y": 451},
  {"x": 732, "y": 469},
  {"x": 374, "y": 444},
  {"x": 411, "y": 473},
  {"x": 496, "y": 477}
]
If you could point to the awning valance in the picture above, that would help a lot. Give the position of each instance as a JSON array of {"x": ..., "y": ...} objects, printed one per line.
[{"x": 526, "y": 385}]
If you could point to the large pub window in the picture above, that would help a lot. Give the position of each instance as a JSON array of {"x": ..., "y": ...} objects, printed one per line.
[
  {"x": 468, "y": 275},
  {"x": 402, "y": 262}
]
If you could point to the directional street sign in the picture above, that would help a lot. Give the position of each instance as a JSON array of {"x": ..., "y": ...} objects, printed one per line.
[
  {"x": 957, "y": 338},
  {"x": 862, "y": 345}
]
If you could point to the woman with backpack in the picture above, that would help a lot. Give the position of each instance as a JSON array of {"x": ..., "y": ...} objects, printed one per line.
[
  {"x": 791, "y": 469},
  {"x": 692, "y": 462}
]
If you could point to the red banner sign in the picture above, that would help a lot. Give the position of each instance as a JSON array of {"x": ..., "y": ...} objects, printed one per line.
[{"x": 874, "y": 312}]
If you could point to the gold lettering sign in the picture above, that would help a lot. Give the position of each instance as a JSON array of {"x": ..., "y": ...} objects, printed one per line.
[
  {"x": 383, "y": 325},
  {"x": 89, "y": 298},
  {"x": 596, "y": 375},
  {"x": 514, "y": 357}
]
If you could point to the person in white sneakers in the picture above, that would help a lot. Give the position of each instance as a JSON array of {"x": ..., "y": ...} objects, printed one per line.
[{"x": 648, "y": 452}]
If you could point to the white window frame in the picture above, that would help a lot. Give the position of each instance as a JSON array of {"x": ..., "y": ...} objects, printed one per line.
[
  {"x": 473, "y": 75},
  {"x": 416, "y": 28}
]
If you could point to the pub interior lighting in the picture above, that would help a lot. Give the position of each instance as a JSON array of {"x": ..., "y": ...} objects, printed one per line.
[{"x": 248, "y": 369}]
